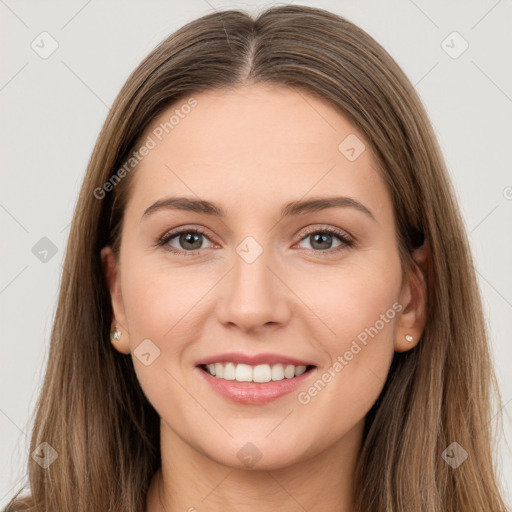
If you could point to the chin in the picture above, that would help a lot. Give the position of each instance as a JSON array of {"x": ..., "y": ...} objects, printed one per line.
[{"x": 255, "y": 453}]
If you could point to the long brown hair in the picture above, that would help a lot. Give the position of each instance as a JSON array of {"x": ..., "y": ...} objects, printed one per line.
[{"x": 91, "y": 409}]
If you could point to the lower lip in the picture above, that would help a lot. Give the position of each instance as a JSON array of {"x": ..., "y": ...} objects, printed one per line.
[{"x": 254, "y": 392}]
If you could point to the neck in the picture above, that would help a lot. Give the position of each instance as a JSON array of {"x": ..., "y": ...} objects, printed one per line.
[{"x": 191, "y": 481}]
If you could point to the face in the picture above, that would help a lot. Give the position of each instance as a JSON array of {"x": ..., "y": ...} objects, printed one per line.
[{"x": 256, "y": 281}]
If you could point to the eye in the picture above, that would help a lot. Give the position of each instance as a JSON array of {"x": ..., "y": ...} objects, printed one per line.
[
  {"x": 321, "y": 240},
  {"x": 189, "y": 240}
]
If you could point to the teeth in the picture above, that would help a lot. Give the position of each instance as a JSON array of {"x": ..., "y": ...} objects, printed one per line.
[
  {"x": 243, "y": 373},
  {"x": 289, "y": 371},
  {"x": 299, "y": 370},
  {"x": 260, "y": 373},
  {"x": 229, "y": 371},
  {"x": 277, "y": 372}
]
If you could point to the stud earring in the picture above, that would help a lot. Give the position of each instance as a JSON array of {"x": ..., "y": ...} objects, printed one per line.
[
  {"x": 115, "y": 335},
  {"x": 409, "y": 338}
]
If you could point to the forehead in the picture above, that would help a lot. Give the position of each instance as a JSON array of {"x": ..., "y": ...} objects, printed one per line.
[{"x": 255, "y": 144}]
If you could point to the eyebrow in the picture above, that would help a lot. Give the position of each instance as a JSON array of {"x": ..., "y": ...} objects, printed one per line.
[{"x": 291, "y": 209}]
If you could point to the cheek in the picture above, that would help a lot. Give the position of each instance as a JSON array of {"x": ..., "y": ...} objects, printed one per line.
[
  {"x": 159, "y": 309},
  {"x": 358, "y": 301},
  {"x": 157, "y": 299},
  {"x": 358, "y": 309},
  {"x": 163, "y": 308},
  {"x": 362, "y": 315}
]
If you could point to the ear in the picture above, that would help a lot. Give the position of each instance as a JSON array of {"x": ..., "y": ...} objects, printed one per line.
[
  {"x": 111, "y": 269},
  {"x": 413, "y": 297}
]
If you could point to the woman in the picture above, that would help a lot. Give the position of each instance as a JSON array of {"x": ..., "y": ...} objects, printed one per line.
[{"x": 350, "y": 374}]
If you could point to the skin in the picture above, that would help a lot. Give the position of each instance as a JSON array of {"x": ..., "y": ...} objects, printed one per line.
[{"x": 251, "y": 150}]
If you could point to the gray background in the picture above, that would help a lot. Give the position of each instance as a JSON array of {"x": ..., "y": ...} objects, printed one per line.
[{"x": 52, "y": 110}]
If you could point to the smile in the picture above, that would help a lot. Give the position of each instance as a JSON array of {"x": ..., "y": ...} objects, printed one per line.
[{"x": 259, "y": 373}]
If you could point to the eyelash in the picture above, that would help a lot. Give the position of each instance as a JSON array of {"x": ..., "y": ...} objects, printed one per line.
[{"x": 346, "y": 241}]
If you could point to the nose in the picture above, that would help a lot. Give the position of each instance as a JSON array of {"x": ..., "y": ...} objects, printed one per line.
[{"x": 254, "y": 294}]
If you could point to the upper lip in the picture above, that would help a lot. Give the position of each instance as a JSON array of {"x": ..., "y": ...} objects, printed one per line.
[{"x": 253, "y": 360}]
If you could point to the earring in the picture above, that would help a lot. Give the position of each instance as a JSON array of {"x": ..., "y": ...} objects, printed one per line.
[
  {"x": 409, "y": 338},
  {"x": 115, "y": 335}
]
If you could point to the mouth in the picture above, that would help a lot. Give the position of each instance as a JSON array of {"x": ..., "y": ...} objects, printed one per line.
[
  {"x": 260, "y": 373},
  {"x": 255, "y": 384}
]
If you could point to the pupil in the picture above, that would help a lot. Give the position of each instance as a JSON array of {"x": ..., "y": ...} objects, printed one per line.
[
  {"x": 189, "y": 238},
  {"x": 320, "y": 236}
]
